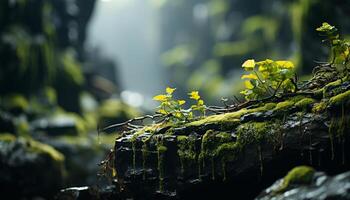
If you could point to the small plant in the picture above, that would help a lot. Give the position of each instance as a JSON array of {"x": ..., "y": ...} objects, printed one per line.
[
  {"x": 268, "y": 78},
  {"x": 199, "y": 106},
  {"x": 174, "y": 108},
  {"x": 340, "y": 48}
]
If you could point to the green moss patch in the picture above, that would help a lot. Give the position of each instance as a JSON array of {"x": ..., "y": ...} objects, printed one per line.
[
  {"x": 319, "y": 107},
  {"x": 339, "y": 99},
  {"x": 298, "y": 175},
  {"x": 305, "y": 103},
  {"x": 233, "y": 117}
]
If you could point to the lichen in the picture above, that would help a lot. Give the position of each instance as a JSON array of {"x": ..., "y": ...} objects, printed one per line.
[{"x": 298, "y": 175}]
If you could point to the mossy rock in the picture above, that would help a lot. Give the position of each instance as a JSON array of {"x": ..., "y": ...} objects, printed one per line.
[
  {"x": 340, "y": 99},
  {"x": 29, "y": 168},
  {"x": 82, "y": 155},
  {"x": 230, "y": 145},
  {"x": 298, "y": 175}
]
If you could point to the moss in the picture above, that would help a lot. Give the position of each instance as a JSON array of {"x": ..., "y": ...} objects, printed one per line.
[
  {"x": 161, "y": 149},
  {"x": 15, "y": 102},
  {"x": 288, "y": 104},
  {"x": 305, "y": 103},
  {"x": 339, "y": 99},
  {"x": 319, "y": 107},
  {"x": 233, "y": 117},
  {"x": 72, "y": 68},
  {"x": 254, "y": 132},
  {"x": 145, "y": 154},
  {"x": 227, "y": 152},
  {"x": 41, "y": 148},
  {"x": 325, "y": 89},
  {"x": 7, "y": 137},
  {"x": 212, "y": 148},
  {"x": 51, "y": 95},
  {"x": 186, "y": 151},
  {"x": 283, "y": 106},
  {"x": 298, "y": 175},
  {"x": 22, "y": 128}
]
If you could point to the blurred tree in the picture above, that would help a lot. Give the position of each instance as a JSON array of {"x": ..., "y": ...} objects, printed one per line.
[{"x": 41, "y": 43}]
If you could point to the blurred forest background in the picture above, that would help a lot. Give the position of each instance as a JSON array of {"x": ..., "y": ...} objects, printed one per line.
[{"x": 67, "y": 66}]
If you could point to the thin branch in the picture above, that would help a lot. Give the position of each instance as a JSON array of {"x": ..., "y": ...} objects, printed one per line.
[{"x": 128, "y": 122}]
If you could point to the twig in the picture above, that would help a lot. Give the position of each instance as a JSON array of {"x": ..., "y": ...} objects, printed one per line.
[{"x": 128, "y": 123}]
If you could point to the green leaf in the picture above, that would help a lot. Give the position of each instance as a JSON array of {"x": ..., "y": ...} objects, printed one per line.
[
  {"x": 249, "y": 76},
  {"x": 249, "y": 65},
  {"x": 248, "y": 85}
]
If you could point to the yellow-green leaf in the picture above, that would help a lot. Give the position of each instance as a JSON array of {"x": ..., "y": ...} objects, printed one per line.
[
  {"x": 170, "y": 90},
  {"x": 178, "y": 114},
  {"x": 181, "y": 102},
  {"x": 200, "y": 102},
  {"x": 249, "y": 76},
  {"x": 160, "y": 97},
  {"x": 285, "y": 64},
  {"x": 248, "y": 85},
  {"x": 249, "y": 65},
  {"x": 162, "y": 111},
  {"x": 325, "y": 27}
]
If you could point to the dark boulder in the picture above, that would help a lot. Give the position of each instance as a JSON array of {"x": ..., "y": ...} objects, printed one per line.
[
  {"x": 29, "y": 168},
  {"x": 237, "y": 153}
]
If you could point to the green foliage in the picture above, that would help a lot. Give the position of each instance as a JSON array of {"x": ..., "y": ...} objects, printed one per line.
[
  {"x": 267, "y": 78},
  {"x": 298, "y": 175},
  {"x": 173, "y": 108},
  {"x": 340, "y": 48}
]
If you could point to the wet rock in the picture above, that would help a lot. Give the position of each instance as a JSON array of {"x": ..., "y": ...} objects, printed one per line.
[
  {"x": 261, "y": 146},
  {"x": 29, "y": 168},
  {"x": 82, "y": 156},
  {"x": 320, "y": 187},
  {"x": 88, "y": 193}
]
